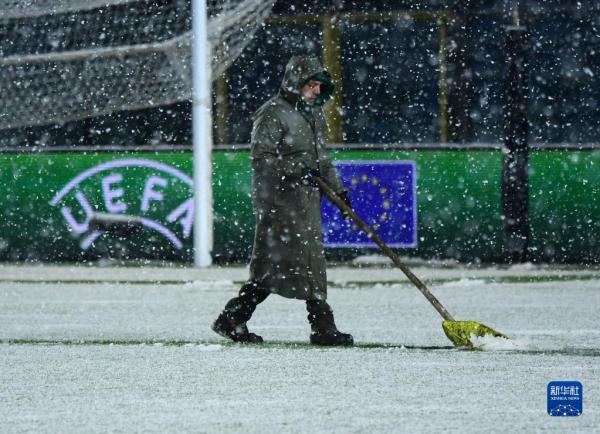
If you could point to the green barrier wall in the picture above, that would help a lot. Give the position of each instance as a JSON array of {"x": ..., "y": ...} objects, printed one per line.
[
  {"x": 564, "y": 209},
  {"x": 34, "y": 229},
  {"x": 458, "y": 197}
]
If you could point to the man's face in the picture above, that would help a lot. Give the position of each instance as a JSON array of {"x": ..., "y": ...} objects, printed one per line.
[{"x": 310, "y": 91}]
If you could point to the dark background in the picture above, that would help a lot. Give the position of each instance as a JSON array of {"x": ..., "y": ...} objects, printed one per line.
[{"x": 390, "y": 71}]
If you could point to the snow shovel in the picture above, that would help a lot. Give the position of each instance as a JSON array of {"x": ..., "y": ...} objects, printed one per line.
[{"x": 459, "y": 332}]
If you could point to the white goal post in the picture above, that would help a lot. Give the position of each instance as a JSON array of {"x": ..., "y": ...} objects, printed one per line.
[{"x": 202, "y": 136}]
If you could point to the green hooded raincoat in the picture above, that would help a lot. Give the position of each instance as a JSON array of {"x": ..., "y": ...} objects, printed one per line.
[{"x": 287, "y": 137}]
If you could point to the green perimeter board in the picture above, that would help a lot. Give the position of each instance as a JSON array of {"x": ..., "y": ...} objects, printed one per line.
[
  {"x": 564, "y": 206},
  {"x": 458, "y": 199},
  {"x": 459, "y": 205},
  {"x": 33, "y": 229}
]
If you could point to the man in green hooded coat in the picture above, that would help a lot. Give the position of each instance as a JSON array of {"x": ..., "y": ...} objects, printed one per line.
[{"x": 288, "y": 150}]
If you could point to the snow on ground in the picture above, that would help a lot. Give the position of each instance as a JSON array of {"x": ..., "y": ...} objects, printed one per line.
[{"x": 97, "y": 349}]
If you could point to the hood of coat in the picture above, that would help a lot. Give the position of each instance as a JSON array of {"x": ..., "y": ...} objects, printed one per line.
[{"x": 299, "y": 70}]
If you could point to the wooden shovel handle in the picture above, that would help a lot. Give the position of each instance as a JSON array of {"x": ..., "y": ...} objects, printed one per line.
[{"x": 339, "y": 202}]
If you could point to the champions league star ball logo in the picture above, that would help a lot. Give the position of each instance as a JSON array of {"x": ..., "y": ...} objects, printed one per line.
[{"x": 158, "y": 194}]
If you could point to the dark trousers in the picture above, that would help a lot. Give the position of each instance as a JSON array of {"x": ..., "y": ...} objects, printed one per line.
[{"x": 239, "y": 310}]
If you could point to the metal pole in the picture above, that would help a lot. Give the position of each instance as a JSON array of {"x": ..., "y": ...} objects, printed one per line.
[
  {"x": 202, "y": 135},
  {"x": 332, "y": 60},
  {"x": 443, "y": 80},
  {"x": 515, "y": 179}
]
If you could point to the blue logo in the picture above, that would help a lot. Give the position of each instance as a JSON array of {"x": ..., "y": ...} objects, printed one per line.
[
  {"x": 383, "y": 194},
  {"x": 565, "y": 398}
]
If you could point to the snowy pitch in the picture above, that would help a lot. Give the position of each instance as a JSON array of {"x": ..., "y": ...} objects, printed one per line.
[{"x": 99, "y": 349}]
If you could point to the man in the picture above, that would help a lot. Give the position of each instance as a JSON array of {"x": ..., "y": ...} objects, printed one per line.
[{"x": 288, "y": 150}]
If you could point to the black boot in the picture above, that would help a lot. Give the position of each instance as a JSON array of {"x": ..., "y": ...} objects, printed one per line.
[
  {"x": 231, "y": 323},
  {"x": 324, "y": 330},
  {"x": 224, "y": 327}
]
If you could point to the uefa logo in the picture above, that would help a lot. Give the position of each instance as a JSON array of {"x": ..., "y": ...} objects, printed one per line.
[{"x": 158, "y": 195}]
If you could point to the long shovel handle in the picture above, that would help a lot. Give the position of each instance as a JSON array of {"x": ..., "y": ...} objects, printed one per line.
[{"x": 373, "y": 235}]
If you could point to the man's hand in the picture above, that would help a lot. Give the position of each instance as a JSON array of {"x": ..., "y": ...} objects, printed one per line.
[
  {"x": 308, "y": 177},
  {"x": 345, "y": 197}
]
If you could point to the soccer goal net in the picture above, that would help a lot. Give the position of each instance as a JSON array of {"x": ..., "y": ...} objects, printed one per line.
[{"x": 64, "y": 60}]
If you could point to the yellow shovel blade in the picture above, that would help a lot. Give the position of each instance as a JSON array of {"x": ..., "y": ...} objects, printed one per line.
[{"x": 460, "y": 332}]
